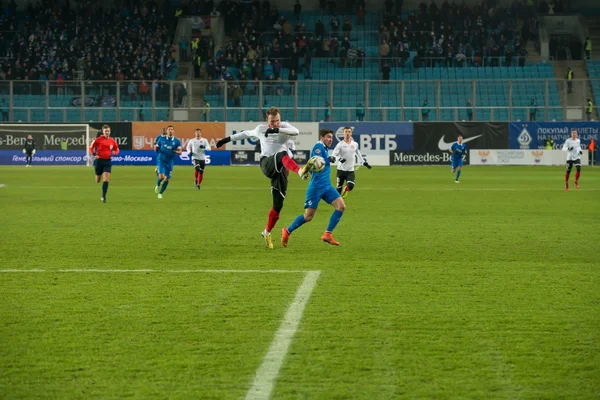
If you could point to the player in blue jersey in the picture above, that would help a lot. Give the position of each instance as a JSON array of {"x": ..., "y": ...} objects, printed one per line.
[
  {"x": 319, "y": 188},
  {"x": 166, "y": 147},
  {"x": 458, "y": 149},
  {"x": 163, "y": 134}
]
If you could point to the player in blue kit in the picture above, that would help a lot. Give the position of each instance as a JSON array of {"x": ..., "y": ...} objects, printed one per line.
[
  {"x": 166, "y": 147},
  {"x": 162, "y": 135},
  {"x": 319, "y": 188},
  {"x": 458, "y": 149}
]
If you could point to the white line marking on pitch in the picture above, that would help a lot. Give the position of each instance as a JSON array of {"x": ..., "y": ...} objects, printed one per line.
[
  {"x": 267, "y": 373},
  {"x": 164, "y": 271}
]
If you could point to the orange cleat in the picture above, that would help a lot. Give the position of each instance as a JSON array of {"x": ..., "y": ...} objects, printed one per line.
[
  {"x": 566, "y": 186},
  {"x": 285, "y": 236},
  {"x": 577, "y": 185},
  {"x": 329, "y": 239}
]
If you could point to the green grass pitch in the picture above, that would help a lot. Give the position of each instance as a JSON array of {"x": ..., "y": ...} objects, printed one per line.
[{"x": 485, "y": 289}]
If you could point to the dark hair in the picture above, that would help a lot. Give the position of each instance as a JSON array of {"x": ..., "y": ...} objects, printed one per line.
[
  {"x": 198, "y": 129},
  {"x": 347, "y": 127},
  {"x": 324, "y": 132},
  {"x": 170, "y": 126}
]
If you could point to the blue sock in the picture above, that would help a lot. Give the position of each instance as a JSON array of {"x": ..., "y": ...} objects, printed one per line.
[
  {"x": 158, "y": 181},
  {"x": 104, "y": 188},
  {"x": 333, "y": 221},
  {"x": 298, "y": 222},
  {"x": 458, "y": 174},
  {"x": 164, "y": 187}
]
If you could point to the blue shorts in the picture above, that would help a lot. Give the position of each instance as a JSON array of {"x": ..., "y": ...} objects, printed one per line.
[
  {"x": 165, "y": 168},
  {"x": 457, "y": 162},
  {"x": 314, "y": 195}
]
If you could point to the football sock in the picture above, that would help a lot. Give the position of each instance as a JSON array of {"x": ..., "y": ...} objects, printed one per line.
[
  {"x": 577, "y": 176},
  {"x": 104, "y": 188},
  {"x": 200, "y": 176},
  {"x": 298, "y": 222},
  {"x": 458, "y": 174},
  {"x": 196, "y": 176},
  {"x": 273, "y": 218},
  {"x": 158, "y": 181},
  {"x": 290, "y": 164},
  {"x": 567, "y": 177},
  {"x": 164, "y": 187},
  {"x": 333, "y": 221}
]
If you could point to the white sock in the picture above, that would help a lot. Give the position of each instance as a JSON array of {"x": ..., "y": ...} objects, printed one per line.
[{"x": 266, "y": 233}]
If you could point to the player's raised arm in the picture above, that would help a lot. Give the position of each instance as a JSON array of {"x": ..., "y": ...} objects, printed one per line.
[
  {"x": 238, "y": 136},
  {"x": 288, "y": 129}
]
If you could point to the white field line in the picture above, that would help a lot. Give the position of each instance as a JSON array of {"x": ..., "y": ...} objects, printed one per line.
[
  {"x": 165, "y": 271},
  {"x": 267, "y": 373}
]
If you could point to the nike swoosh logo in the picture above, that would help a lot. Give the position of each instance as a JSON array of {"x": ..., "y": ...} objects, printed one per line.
[{"x": 444, "y": 146}]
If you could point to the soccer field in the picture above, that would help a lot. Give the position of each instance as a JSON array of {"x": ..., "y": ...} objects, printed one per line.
[{"x": 485, "y": 289}]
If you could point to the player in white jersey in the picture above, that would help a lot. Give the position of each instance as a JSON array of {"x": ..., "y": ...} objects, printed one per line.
[
  {"x": 274, "y": 161},
  {"x": 347, "y": 154},
  {"x": 573, "y": 148},
  {"x": 196, "y": 150}
]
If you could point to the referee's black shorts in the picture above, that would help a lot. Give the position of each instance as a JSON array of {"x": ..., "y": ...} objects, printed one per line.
[
  {"x": 102, "y": 165},
  {"x": 272, "y": 167}
]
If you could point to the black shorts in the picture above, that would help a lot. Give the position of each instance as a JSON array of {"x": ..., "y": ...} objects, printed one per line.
[
  {"x": 576, "y": 163},
  {"x": 272, "y": 167},
  {"x": 201, "y": 163},
  {"x": 29, "y": 153},
  {"x": 342, "y": 176},
  {"x": 102, "y": 165}
]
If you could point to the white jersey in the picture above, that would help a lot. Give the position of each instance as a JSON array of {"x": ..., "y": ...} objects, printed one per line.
[
  {"x": 274, "y": 143},
  {"x": 347, "y": 151},
  {"x": 575, "y": 152},
  {"x": 291, "y": 146},
  {"x": 195, "y": 146}
]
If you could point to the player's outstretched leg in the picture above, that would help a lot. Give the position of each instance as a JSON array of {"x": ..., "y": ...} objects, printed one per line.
[
  {"x": 298, "y": 222},
  {"x": 163, "y": 188},
  {"x": 158, "y": 183},
  {"x": 577, "y": 175},
  {"x": 567, "y": 179}
]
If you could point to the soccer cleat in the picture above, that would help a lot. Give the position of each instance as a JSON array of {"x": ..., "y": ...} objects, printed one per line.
[
  {"x": 566, "y": 186},
  {"x": 156, "y": 189},
  {"x": 306, "y": 169},
  {"x": 456, "y": 182},
  {"x": 577, "y": 184},
  {"x": 160, "y": 195},
  {"x": 103, "y": 199},
  {"x": 198, "y": 187},
  {"x": 285, "y": 236},
  {"x": 345, "y": 193},
  {"x": 327, "y": 237},
  {"x": 268, "y": 240}
]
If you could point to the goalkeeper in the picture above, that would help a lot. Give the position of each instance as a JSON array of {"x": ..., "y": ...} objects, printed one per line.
[{"x": 29, "y": 150}]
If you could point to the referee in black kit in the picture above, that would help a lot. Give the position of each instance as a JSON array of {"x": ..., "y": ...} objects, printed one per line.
[{"x": 29, "y": 150}]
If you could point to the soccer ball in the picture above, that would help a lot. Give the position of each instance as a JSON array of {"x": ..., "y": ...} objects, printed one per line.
[{"x": 318, "y": 163}]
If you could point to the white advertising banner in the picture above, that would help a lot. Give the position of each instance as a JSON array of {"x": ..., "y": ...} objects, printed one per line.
[
  {"x": 521, "y": 157},
  {"x": 309, "y": 135}
]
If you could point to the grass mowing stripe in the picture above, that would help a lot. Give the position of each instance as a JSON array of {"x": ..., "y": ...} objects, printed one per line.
[
  {"x": 269, "y": 370},
  {"x": 166, "y": 271}
]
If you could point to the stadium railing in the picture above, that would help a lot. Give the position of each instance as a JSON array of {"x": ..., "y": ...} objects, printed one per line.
[{"x": 394, "y": 100}]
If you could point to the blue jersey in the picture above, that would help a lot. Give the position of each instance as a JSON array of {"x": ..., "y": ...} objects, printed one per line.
[
  {"x": 321, "y": 179},
  {"x": 458, "y": 150},
  {"x": 166, "y": 146}
]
